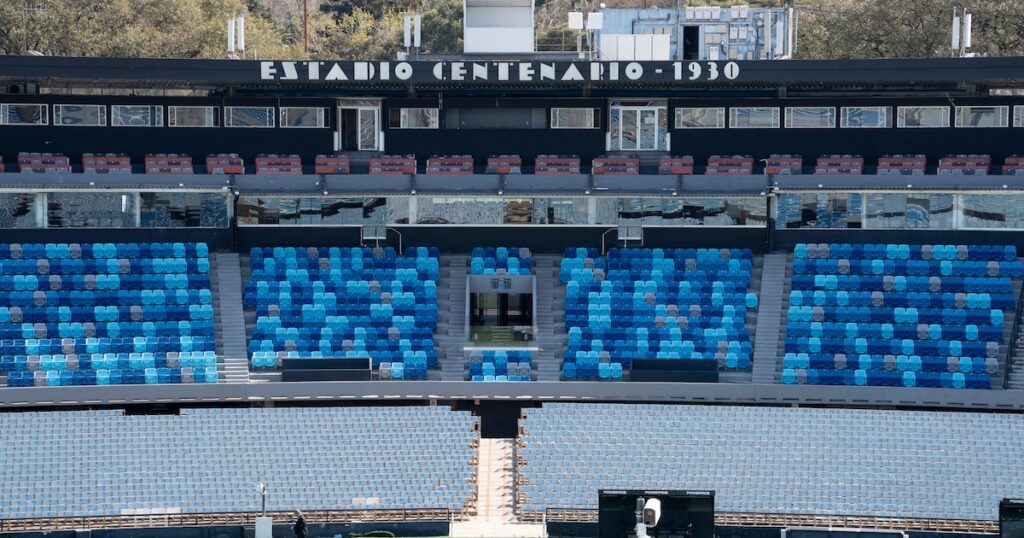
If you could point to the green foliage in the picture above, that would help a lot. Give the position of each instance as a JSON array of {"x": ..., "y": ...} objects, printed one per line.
[{"x": 442, "y": 27}]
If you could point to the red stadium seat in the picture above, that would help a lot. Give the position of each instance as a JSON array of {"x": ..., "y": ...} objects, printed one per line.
[
  {"x": 784, "y": 164},
  {"x": 224, "y": 163},
  {"x": 676, "y": 165},
  {"x": 902, "y": 164},
  {"x": 965, "y": 164},
  {"x": 1014, "y": 164},
  {"x": 169, "y": 163},
  {"x": 616, "y": 165},
  {"x": 393, "y": 164},
  {"x": 841, "y": 165},
  {"x": 455, "y": 164},
  {"x": 557, "y": 164},
  {"x": 504, "y": 164},
  {"x": 109, "y": 163},
  {"x": 278, "y": 164},
  {"x": 43, "y": 163},
  {"x": 735, "y": 165},
  {"x": 331, "y": 164}
]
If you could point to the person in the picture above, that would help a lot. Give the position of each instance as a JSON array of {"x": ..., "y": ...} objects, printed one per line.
[{"x": 300, "y": 525}]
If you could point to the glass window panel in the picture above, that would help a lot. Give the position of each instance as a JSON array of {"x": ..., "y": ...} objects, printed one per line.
[
  {"x": 865, "y": 117},
  {"x": 396, "y": 210},
  {"x": 575, "y": 118},
  {"x": 191, "y": 116},
  {"x": 136, "y": 116},
  {"x": 368, "y": 130},
  {"x": 303, "y": 117},
  {"x": 519, "y": 211},
  {"x": 249, "y": 116},
  {"x": 629, "y": 128},
  {"x": 614, "y": 124},
  {"x": 23, "y": 114},
  {"x": 922, "y": 116},
  {"x": 18, "y": 210},
  {"x": 413, "y": 118},
  {"x": 754, "y": 118},
  {"x": 481, "y": 211},
  {"x": 662, "y": 128},
  {"x": 886, "y": 210},
  {"x": 91, "y": 210},
  {"x": 700, "y": 118},
  {"x": 1014, "y": 211},
  {"x": 984, "y": 210},
  {"x": 80, "y": 115},
  {"x": 182, "y": 210},
  {"x": 560, "y": 211},
  {"x": 606, "y": 211},
  {"x": 648, "y": 137},
  {"x": 1018, "y": 116},
  {"x": 982, "y": 116},
  {"x": 810, "y": 117},
  {"x": 930, "y": 211}
]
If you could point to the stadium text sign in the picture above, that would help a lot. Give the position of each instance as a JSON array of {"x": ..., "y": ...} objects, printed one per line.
[{"x": 500, "y": 71}]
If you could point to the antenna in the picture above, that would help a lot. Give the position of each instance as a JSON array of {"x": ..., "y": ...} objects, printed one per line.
[
  {"x": 240, "y": 33},
  {"x": 231, "y": 34},
  {"x": 967, "y": 29},
  {"x": 416, "y": 31},
  {"x": 955, "y": 44}
]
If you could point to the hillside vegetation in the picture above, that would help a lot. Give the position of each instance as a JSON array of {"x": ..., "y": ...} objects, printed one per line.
[{"x": 372, "y": 29}]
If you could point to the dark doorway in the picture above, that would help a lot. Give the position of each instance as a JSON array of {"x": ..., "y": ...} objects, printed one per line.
[
  {"x": 691, "y": 42},
  {"x": 349, "y": 129}
]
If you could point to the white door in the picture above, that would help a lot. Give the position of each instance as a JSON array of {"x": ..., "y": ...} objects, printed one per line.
[
  {"x": 637, "y": 128},
  {"x": 359, "y": 128}
]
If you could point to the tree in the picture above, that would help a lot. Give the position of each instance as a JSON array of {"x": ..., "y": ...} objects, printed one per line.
[
  {"x": 358, "y": 35},
  {"x": 442, "y": 27}
]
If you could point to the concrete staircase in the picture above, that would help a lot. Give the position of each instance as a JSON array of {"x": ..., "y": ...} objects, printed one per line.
[
  {"x": 229, "y": 320},
  {"x": 450, "y": 337},
  {"x": 551, "y": 336},
  {"x": 770, "y": 316},
  {"x": 495, "y": 495}
]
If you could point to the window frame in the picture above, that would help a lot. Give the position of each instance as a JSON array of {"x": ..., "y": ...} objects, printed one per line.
[
  {"x": 155, "y": 112},
  {"x": 844, "y": 114},
  {"x": 101, "y": 115},
  {"x": 594, "y": 116},
  {"x": 901, "y": 118},
  {"x": 789, "y": 115},
  {"x": 774, "y": 110},
  {"x": 1018, "y": 116},
  {"x": 1003, "y": 109},
  {"x": 172, "y": 116},
  {"x": 282, "y": 113},
  {"x": 403, "y": 118},
  {"x": 229, "y": 112},
  {"x": 720, "y": 124},
  {"x": 5, "y": 115}
]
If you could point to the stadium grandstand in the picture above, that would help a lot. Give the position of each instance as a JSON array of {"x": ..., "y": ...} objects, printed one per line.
[{"x": 474, "y": 296}]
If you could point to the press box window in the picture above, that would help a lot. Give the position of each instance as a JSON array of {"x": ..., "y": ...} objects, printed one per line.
[
  {"x": 700, "y": 118},
  {"x": 922, "y": 116},
  {"x": 865, "y": 117},
  {"x": 575, "y": 118},
  {"x": 810, "y": 117},
  {"x": 413, "y": 118},
  {"x": 1018, "y": 116},
  {"x": 191, "y": 116},
  {"x": 982, "y": 116},
  {"x": 754, "y": 118},
  {"x": 136, "y": 116},
  {"x": 23, "y": 114},
  {"x": 80, "y": 115},
  {"x": 249, "y": 116},
  {"x": 301, "y": 117}
]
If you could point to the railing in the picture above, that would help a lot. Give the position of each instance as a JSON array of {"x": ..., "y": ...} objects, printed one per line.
[
  {"x": 560, "y": 41},
  {"x": 226, "y": 519},
  {"x": 744, "y": 519},
  {"x": 1013, "y": 347}
]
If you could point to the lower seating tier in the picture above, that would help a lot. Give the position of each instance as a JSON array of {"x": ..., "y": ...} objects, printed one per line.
[
  {"x": 202, "y": 461},
  {"x": 117, "y": 376}
]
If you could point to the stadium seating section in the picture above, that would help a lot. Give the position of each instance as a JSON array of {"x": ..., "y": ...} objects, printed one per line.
[
  {"x": 500, "y": 365},
  {"x": 774, "y": 164},
  {"x": 91, "y": 463},
  {"x": 918, "y": 464},
  {"x": 500, "y": 261},
  {"x": 104, "y": 313},
  {"x": 898, "y": 315},
  {"x": 655, "y": 303},
  {"x": 345, "y": 302}
]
